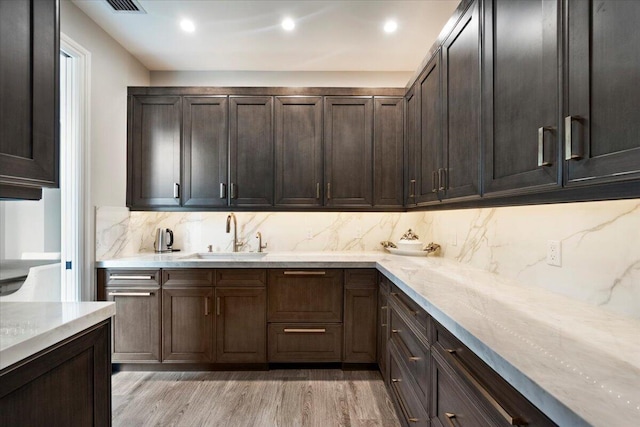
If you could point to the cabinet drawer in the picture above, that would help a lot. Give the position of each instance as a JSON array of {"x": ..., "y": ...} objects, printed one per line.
[
  {"x": 188, "y": 277},
  {"x": 305, "y": 296},
  {"x": 450, "y": 405},
  {"x": 489, "y": 390},
  {"x": 410, "y": 410},
  {"x": 303, "y": 342},
  {"x": 137, "y": 277},
  {"x": 360, "y": 278},
  {"x": 412, "y": 311},
  {"x": 241, "y": 277},
  {"x": 135, "y": 335},
  {"x": 413, "y": 352}
]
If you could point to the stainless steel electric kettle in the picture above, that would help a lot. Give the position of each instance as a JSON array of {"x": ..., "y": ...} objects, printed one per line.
[{"x": 164, "y": 240}]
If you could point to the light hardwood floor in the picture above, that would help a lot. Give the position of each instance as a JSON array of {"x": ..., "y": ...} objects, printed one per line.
[{"x": 283, "y": 398}]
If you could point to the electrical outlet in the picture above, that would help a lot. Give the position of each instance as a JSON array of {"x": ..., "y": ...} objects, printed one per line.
[
  {"x": 554, "y": 253},
  {"x": 309, "y": 234}
]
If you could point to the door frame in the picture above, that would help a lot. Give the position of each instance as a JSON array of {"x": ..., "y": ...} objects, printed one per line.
[{"x": 75, "y": 179}]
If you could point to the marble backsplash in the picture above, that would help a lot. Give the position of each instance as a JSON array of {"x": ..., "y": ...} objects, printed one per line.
[{"x": 600, "y": 241}]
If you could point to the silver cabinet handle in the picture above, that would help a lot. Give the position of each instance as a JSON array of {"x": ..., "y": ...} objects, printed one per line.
[
  {"x": 223, "y": 190},
  {"x": 318, "y": 190},
  {"x": 218, "y": 306},
  {"x": 412, "y": 186},
  {"x": 130, "y": 277},
  {"x": 328, "y": 191},
  {"x": 442, "y": 179},
  {"x": 541, "y": 160},
  {"x": 568, "y": 139},
  {"x": 206, "y": 306},
  {"x": 434, "y": 182},
  {"x": 304, "y": 273},
  {"x": 176, "y": 190},
  {"x": 130, "y": 294},
  {"x": 450, "y": 418},
  {"x": 233, "y": 190},
  {"x": 304, "y": 331}
]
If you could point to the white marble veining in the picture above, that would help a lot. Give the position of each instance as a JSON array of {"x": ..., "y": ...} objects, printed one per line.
[
  {"x": 579, "y": 364},
  {"x": 600, "y": 253},
  {"x": 29, "y": 327}
]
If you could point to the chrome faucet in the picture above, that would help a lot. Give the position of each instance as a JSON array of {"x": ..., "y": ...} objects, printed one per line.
[
  {"x": 236, "y": 243},
  {"x": 260, "y": 245}
]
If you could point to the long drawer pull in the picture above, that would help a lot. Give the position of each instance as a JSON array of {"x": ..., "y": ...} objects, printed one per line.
[
  {"x": 514, "y": 421},
  {"x": 130, "y": 294},
  {"x": 403, "y": 409},
  {"x": 218, "y": 306},
  {"x": 413, "y": 359},
  {"x": 304, "y": 331},
  {"x": 450, "y": 418},
  {"x": 131, "y": 277},
  {"x": 305, "y": 273},
  {"x": 206, "y": 306}
]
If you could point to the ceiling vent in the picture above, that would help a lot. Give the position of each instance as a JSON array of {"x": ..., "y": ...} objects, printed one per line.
[{"x": 126, "y": 6}]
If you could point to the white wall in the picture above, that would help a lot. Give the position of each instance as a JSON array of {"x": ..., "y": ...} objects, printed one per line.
[
  {"x": 112, "y": 70},
  {"x": 281, "y": 78}
]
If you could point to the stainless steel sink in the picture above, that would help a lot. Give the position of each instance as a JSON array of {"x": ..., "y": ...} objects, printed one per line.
[{"x": 226, "y": 255}]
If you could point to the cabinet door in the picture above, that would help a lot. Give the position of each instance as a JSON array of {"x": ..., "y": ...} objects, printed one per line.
[
  {"x": 412, "y": 136},
  {"x": 305, "y": 296},
  {"x": 187, "y": 325},
  {"x": 204, "y": 151},
  {"x": 602, "y": 130},
  {"x": 387, "y": 152},
  {"x": 461, "y": 88},
  {"x": 383, "y": 333},
  {"x": 521, "y": 96},
  {"x": 360, "y": 315},
  {"x": 429, "y": 145},
  {"x": 251, "y": 151},
  {"x": 154, "y": 151},
  {"x": 136, "y": 328},
  {"x": 298, "y": 126},
  {"x": 241, "y": 325},
  {"x": 29, "y": 105},
  {"x": 348, "y": 151}
]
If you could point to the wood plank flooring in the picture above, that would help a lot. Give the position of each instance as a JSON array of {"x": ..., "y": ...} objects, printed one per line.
[{"x": 282, "y": 398}]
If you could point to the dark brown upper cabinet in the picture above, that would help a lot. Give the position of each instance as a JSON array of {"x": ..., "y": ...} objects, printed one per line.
[
  {"x": 521, "y": 96},
  {"x": 298, "y": 164},
  {"x": 429, "y": 136},
  {"x": 459, "y": 175},
  {"x": 205, "y": 124},
  {"x": 153, "y": 166},
  {"x": 348, "y": 128},
  {"x": 602, "y": 129},
  {"x": 251, "y": 151},
  {"x": 29, "y": 105},
  {"x": 411, "y": 135},
  {"x": 388, "y": 152}
]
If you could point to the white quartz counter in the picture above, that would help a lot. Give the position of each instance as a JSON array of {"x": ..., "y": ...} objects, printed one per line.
[
  {"x": 29, "y": 327},
  {"x": 579, "y": 364}
]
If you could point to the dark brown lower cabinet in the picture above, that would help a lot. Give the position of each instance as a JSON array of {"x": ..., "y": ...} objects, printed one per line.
[
  {"x": 383, "y": 330},
  {"x": 187, "y": 324},
  {"x": 360, "y": 315},
  {"x": 68, "y": 384},
  {"x": 305, "y": 342},
  {"x": 410, "y": 408},
  {"x": 136, "y": 326},
  {"x": 241, "y": 325}
]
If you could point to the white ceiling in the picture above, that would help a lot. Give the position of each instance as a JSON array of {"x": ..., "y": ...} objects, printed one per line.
[{"x": 246, "y": 35}]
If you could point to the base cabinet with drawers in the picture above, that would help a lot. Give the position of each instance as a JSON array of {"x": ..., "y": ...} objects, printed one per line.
[{"x": 436, "y": 380}]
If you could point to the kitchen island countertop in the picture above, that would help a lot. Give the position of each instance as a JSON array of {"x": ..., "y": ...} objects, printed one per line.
[
  {"x": 577, "y": 363},
  {"x": 27, "y": 328}
]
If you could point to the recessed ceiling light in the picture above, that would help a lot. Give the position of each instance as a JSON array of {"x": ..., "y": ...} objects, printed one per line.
[
  {"x": 288, "y": 24},
  {"x": 390, "y": 26},
  {"x": 187, "y": 26}
]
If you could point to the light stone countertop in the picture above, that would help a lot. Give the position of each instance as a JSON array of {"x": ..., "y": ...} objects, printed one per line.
[
  {"x": 29, "y": 327},
  {"x": 577, "y": 363}
]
